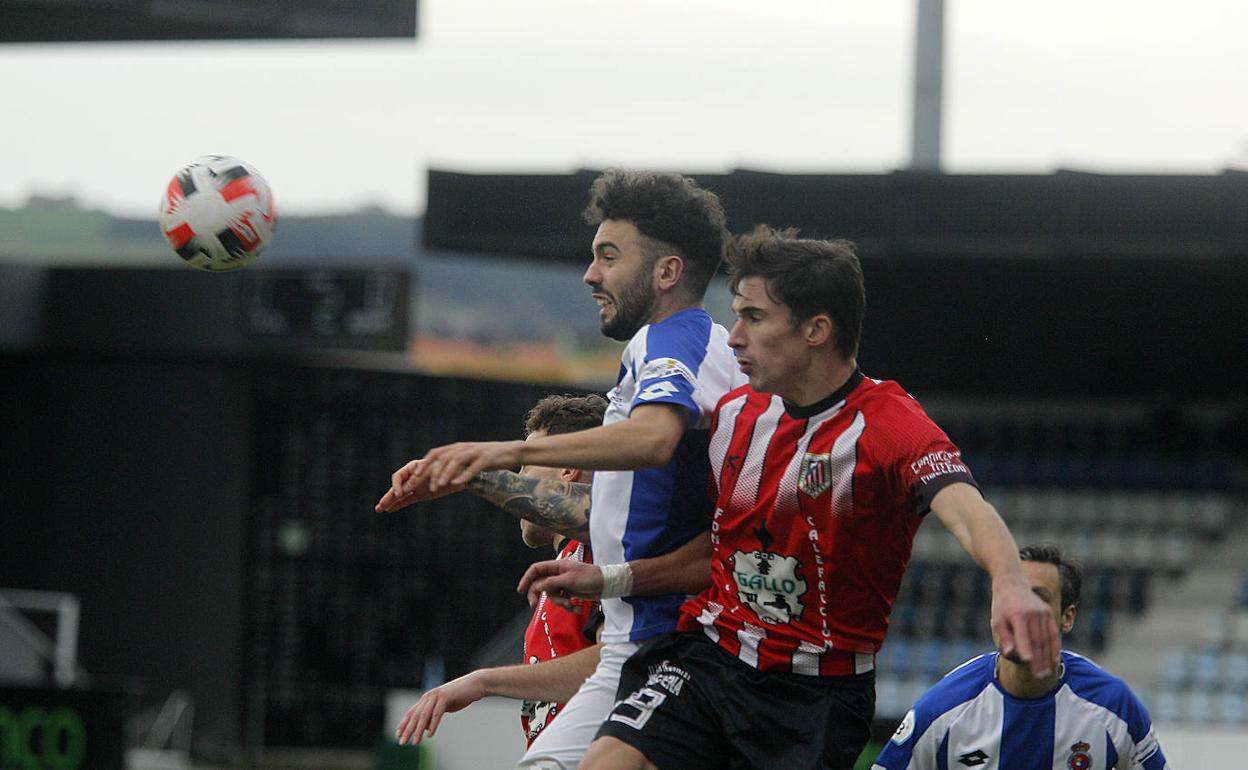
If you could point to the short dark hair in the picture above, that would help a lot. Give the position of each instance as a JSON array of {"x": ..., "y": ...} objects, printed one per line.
[
  {"x": 1070, "y": 572},
  {"x": 565, "y": 414},
  {"x": 673, "y": 214},
  {"x": 809, "y": 276}
]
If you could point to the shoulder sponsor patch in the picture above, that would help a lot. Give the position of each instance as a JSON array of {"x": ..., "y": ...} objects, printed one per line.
[
  {"x": 663, "y": 367},
  {"x": 935, "y": 464}
]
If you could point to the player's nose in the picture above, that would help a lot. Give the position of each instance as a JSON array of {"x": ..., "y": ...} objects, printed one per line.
[{"x": 592, "y": 276}]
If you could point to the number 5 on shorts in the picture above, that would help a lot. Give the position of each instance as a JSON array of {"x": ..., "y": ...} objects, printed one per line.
[{"x": 645, "y": 700}]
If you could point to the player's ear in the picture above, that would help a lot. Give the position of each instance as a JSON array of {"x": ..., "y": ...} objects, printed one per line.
[
  {"x": 818, "y": 329},
  {"x": 668, "y": 270},
  {"x": 569, "y": 474},
  {"x": 1068, "y": 620}
]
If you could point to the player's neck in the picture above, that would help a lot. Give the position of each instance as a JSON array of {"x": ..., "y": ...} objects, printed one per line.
[
  {"x": 819, "y": 381},
  {"x": 1016, "y": 679},
  {"x": 670, "y": 303}
]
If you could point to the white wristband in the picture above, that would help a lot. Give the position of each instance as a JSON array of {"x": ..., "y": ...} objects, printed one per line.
[{"x": 617, "y": 580}]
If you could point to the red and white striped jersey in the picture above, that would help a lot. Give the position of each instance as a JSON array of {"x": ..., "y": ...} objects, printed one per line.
[{"x": 816, "y": 510}]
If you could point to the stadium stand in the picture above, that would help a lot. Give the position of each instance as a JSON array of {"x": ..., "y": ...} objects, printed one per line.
[{"x": 1147, "y": 501}]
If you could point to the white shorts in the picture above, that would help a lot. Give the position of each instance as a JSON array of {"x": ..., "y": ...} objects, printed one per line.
[{"x": 561, "y": 745}]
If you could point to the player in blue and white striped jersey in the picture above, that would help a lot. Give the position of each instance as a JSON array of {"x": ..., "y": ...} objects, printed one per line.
[
  {"x": 682, "y": 361},
  {"x": 659, "y": 243},
  {"x": 991, "y": 714}
]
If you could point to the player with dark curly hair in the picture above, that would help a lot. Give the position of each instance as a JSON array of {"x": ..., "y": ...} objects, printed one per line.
[
  {"x": 821, "y": 478},
  {"x": 672, "y": 215},
  {"x": 659, "y": 241}
]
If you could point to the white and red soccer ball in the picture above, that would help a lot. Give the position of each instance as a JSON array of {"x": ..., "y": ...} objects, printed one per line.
[{"x": 217, "y": 213}]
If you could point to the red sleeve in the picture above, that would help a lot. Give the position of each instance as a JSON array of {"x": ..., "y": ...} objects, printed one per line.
[
  {"x": 922, "y": 458},
  {"x": 938, "y": 465}
]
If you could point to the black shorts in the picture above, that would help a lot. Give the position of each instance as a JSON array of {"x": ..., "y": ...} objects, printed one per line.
[{"x": 686, "y": 703}]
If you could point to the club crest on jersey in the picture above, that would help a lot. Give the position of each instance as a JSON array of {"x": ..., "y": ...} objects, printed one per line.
[
  {"x": 768, "y": 584},
  {"x": 815, "y": 475},
  {"x": 1079, "y": 758}
]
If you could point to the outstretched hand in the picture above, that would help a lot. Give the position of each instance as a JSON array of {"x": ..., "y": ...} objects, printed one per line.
[
  {"x": 423, "y": 718},
  {"x": 409, "y": 485},
  {"x": 454, "y": 465},
  {"x": 1025, "y": 628},
  {"x": 563, "y": 580}
]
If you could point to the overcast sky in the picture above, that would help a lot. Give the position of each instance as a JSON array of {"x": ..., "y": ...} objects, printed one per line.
[{"x": 694, "y": 85}]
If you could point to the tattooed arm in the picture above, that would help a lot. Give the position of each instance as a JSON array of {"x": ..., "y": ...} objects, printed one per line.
[{"x": 560, "y": 506}]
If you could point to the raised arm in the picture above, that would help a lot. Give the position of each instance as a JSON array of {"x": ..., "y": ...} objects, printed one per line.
[
  {"x": 1020, "y": 620},
  {"x": 646, "y": 439},
  {"x": 560, "y": 506}
]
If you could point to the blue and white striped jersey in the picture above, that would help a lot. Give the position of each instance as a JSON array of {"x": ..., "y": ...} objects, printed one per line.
[
  {"x": 1090, "y": 721},
  {"x": 683, "y": 360}
]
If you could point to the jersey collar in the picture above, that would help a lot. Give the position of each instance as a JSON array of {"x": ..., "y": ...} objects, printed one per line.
[
  {"x": 803, "y": 412},
  {"x": 996, "y": 680}
]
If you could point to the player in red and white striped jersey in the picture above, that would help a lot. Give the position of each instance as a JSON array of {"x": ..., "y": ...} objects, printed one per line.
[
  {"x": 813, "y": 533},
  {"x": 822, "y": 477}
]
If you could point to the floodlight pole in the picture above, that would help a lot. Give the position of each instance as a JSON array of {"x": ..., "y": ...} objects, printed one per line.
[{"x": 929, "y": 60}]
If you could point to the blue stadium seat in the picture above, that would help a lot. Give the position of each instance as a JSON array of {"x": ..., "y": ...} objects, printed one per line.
[
  {"x": 1096, "y": 629},
  {"x": 888, "y": 702},
  {"x": 1098, "y": 589},
  {"x": 1166, "y": 707},
  {"x": 1138, "y": 594},
  {"x": 1174, "y": 668},
  {"x": 901, "y": 621},
  {"x": 1199, "y": 707},
  {"x": 929, "y": 655},
  {"x": 1236, "y": 670},
  {"x": 895, "y": 656},
  {"x": 1232, "y": 709},
  {"x": 1206, "y": 672}
]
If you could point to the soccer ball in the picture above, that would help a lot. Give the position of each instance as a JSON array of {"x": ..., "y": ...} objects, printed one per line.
[{"x": 217, "y": 213}]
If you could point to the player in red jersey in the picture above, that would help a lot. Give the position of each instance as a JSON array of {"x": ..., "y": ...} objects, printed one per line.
[
  {"x": 822, "y": 477},
  {"x": 554, "y": 631}
]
